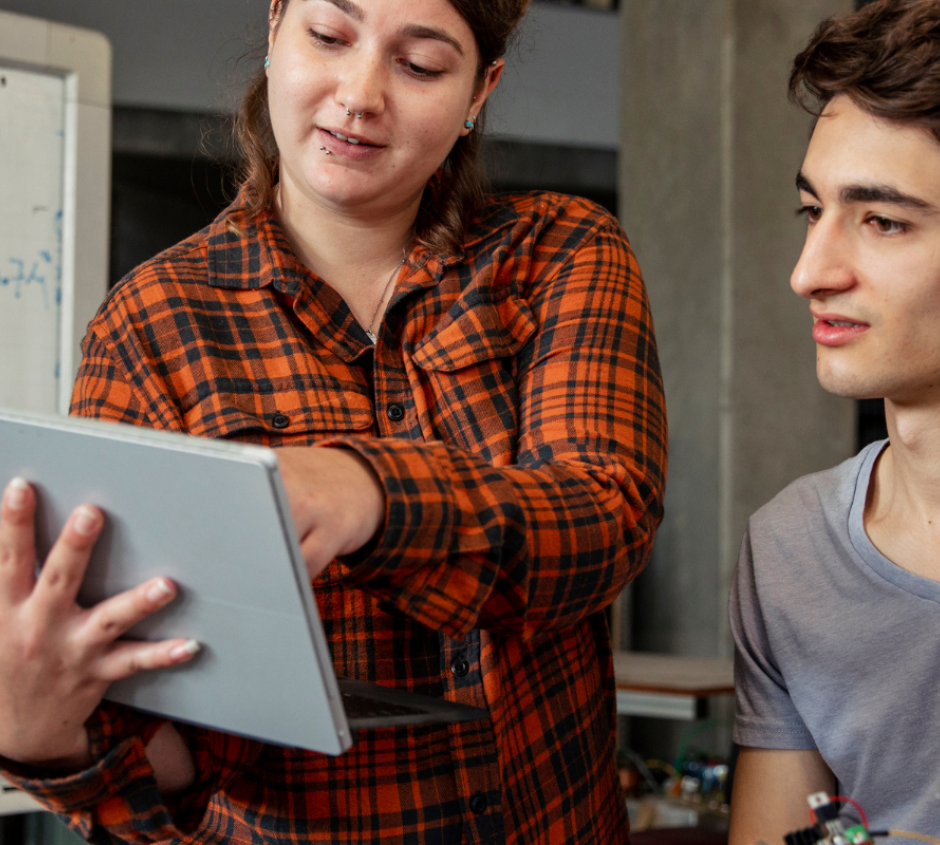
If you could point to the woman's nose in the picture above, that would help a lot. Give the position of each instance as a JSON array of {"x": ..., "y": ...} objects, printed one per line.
[
  {"x": 361, "y": 89},
  {"x": 825, "y": 265}
]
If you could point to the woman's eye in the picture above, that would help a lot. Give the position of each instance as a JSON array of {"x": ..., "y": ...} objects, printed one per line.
[
  {"x": 421, "y": 72},
  {"x": 885, "y": 226},
  {"x": 323, "y": 38}
]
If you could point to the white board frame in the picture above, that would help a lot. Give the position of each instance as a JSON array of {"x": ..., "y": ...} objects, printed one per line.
[{"x": 83, "y": 58}]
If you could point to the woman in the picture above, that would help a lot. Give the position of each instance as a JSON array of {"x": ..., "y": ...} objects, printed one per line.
[{"x": 479, "y": 378}]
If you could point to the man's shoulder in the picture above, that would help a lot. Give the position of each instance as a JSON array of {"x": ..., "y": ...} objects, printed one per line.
[{"x": 815, "y": 495}]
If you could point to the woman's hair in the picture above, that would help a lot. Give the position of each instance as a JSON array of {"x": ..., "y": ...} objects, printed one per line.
[
  {"x": 449, "y": 204},
  {"x": 886, "y": 57}
]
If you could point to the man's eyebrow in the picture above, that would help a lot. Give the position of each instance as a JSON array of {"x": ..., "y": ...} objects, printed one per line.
[
  {"x": 349, "y": 8},
  {"x": 885, "y": 194},
  {"x": 418, "y": 31},
  {"x": 803, "y": 184},
  {"x": 870, "y": 193}
]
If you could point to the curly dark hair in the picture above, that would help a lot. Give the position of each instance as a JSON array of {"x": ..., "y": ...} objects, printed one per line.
[
  {"x": 885, "y": 57},
  {"x": 449, "y": 204}
]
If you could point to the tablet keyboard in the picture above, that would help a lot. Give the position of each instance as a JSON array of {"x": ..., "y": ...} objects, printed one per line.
[{"x": 362, "y": 707}]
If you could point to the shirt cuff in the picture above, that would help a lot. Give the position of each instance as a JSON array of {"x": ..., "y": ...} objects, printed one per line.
[
  {"x": 778, "y": 735},
  {"x": 431, "y": 517}
]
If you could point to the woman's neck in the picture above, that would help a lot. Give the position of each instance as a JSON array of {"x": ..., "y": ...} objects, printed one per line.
[{"x": 346, "y": 250}]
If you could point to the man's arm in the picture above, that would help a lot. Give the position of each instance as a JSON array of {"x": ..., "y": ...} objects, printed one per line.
[{"x": 770, "y": 790}]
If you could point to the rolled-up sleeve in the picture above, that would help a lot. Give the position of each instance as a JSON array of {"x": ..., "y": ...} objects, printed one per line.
[{"x": 552, "y": 538}]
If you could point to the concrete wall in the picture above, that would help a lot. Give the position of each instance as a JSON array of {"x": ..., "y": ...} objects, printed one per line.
[
  {"x": 561, "y": 86},
  {"x": 710, "y": 150}
]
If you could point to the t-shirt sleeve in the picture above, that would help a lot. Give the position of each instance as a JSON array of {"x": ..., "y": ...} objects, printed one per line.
[{"x": 765, "y": 715}]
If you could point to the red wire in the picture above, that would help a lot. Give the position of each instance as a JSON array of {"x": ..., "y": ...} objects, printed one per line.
[{"x": 844, "y": 800}]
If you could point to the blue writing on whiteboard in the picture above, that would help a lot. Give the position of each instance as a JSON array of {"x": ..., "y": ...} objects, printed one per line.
[{"x": 38, "y": 271}]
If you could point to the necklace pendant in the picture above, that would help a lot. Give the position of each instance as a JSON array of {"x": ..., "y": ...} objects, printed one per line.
[{"x": 371, "y": 337}]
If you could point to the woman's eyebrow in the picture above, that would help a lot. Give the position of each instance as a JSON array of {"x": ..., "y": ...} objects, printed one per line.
[
  {"x": 349, "y": 8},
  {"x": 418, "y": 31},
  {"x": 410, "y": 31}
]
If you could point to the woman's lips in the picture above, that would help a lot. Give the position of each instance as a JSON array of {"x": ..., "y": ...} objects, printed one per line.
[
  {"x": 836, "y": 331},
  {"x": 349, "y": 146}
]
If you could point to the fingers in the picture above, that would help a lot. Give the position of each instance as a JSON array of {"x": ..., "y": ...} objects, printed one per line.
[
  {"x": 115, "y": 616},
  {"x": 61, "y": 575},
  {"x": 128, "y": 658},
  {"x": 17, "y": 541}
]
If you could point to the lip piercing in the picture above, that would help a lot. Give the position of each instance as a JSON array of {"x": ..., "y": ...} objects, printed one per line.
[{"x": 326, "y": 151}]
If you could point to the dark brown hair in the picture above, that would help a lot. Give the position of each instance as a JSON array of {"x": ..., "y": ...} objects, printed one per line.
[
  {"x": 450, "y": 204},
  {"x": 886, "y": 57}
]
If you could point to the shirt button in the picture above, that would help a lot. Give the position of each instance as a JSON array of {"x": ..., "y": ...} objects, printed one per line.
[
  {"x": 460, "y": 667},
  {"x": 280, "y": 421},
  {"x": 478, "y": 803},
  {"x": 396, "y": 412}
]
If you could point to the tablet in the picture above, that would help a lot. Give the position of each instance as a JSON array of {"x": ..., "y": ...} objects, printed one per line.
[{"x": 214, "y": 517}]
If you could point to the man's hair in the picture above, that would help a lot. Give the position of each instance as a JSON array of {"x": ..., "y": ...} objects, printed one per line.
[{"x": 886, "y": 57}]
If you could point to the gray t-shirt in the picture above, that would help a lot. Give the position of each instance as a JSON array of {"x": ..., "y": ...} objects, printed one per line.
[{"x": 838, "y": 649}]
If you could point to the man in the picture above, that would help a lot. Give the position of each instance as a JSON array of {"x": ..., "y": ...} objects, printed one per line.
[{"x": 835, "y": 606}]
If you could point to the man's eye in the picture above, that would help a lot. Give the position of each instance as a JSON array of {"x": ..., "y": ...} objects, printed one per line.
[
  {"x": 811, "y": 212},
  {"x": 886, "y": 226}
]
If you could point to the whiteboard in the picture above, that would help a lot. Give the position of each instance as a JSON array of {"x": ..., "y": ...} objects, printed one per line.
[
  {"x": 55, "y": 119},
  {"x": 33, "y": 106}
]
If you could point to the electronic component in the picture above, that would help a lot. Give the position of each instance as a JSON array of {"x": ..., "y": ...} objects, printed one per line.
[{"x": 827, "y": 828}]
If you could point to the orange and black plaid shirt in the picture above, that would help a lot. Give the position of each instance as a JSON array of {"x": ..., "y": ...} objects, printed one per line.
[{"x": 513, "y": 410}]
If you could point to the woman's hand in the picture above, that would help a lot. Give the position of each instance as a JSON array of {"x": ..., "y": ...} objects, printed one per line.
[
  {"x": 336, "y": 499},
  {"x": 56, "y": 658}
]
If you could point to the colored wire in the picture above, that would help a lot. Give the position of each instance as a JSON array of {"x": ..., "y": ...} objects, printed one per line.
[
  {"x": 642, "y": 768},
  {"x": 695, "y": 730},
  {"x": 663, "y": 767},
  {"x": 922, "y": 837},
  {"x": 855, "y": 804}
]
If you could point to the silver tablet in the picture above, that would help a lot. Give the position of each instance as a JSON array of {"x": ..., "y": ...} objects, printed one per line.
[{"x": 214, "y": 517}]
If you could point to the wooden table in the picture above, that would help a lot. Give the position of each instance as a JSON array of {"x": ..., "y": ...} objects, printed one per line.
[{"x": 669, "y": 686}]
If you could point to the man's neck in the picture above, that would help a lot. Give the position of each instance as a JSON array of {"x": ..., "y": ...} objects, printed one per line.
[{"x": 902, "y": 512}]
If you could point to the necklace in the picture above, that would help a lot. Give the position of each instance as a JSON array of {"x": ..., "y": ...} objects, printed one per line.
[{"x": 369, "y": 333}]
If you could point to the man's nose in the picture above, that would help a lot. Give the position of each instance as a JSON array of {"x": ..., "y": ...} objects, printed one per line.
[{"x": 825, "y": 265}]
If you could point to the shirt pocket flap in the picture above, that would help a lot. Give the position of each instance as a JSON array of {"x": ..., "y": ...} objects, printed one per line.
[
  {"x": 481, "y": 331},
  {"x": 278, "y": 415}
]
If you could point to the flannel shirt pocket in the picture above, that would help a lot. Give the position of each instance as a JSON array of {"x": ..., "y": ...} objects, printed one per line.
[
  {"x": 483, "y": 330},
  {"x": 472, "y": 354}
]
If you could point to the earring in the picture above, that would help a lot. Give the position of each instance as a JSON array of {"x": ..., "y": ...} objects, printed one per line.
[
  {"x": 469, "y": 124},
  {"x": 267, "y": 61}
]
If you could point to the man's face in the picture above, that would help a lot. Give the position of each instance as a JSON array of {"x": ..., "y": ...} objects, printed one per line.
[{"x": 870, "y": 267}]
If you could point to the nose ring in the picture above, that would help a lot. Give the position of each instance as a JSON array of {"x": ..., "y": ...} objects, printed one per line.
[
  {"x": 360, "y": 116},
  {"x": 348, "y": 111}
]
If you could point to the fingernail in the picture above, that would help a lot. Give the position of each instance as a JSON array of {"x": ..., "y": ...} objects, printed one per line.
[
  {"x": 187, "y": 649},
  {"x": 86, "y": 520},
  {"x": 16, "y": 493},
  {"x": 160, "y": 592}
]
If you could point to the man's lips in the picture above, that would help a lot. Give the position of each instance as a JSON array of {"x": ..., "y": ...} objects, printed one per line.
[{"x": 836, "y": 329}]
